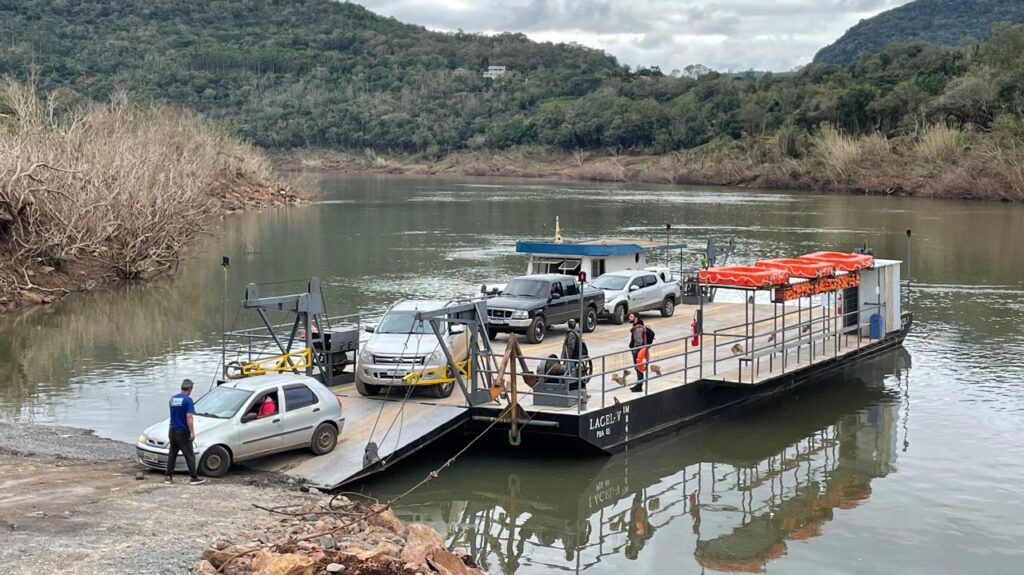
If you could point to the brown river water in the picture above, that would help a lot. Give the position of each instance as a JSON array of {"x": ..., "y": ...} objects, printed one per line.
[{"x": 912, "y": 462}]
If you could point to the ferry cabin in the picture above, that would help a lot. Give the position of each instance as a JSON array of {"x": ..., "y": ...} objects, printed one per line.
[{"x": 595, "y": 257}]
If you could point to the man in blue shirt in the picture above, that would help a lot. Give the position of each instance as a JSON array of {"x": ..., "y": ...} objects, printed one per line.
[{"x": 182, "y": 434}]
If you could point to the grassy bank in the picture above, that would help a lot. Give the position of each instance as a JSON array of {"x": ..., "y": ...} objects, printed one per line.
[
  {"x": 936, "y": 162},
  {"x": 95, "y": 193}
]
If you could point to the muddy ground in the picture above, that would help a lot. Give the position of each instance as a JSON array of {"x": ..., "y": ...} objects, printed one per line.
[{"x": 70, "y": 503}]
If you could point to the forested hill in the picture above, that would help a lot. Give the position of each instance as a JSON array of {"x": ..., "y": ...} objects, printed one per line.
[
  {"x": 947, "y": 22},
  {"x": 289, "y": 73},
  {"x": 325, "y": 74}
]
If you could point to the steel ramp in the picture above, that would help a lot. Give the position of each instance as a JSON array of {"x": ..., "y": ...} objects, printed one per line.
[{"x": 399, "y": 432}]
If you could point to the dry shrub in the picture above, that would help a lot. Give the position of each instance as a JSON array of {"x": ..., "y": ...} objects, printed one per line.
[
  {"x": 842, "y": 155},
  {"x": 1001, "y": 171},
  {"x": 607, "y": 170},
  {"x": 126, "y": 185},
  {"x": 940, "y": 144}
]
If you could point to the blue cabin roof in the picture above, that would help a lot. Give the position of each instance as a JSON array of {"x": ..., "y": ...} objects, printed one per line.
[{"x": 593, "y": 249}]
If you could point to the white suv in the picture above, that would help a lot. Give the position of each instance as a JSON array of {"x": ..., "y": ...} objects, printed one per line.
[
  {"x": 637, "y": 290},
  {"x": 400, "y": 345}
]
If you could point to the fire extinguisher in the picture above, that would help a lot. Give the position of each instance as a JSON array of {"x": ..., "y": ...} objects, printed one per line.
[{"x": 695, "y": 339}]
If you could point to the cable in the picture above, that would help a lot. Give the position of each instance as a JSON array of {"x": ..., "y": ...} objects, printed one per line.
[
  {"x": 429, "y": 477},
  {"x": 401, "y": 409}
]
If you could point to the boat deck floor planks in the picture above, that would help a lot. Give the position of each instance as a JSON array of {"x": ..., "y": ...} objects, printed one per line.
[{"x": 397, "y": 430}]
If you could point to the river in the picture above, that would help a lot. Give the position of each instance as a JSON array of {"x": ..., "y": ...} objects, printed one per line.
[{"x": 910, "y": 463}]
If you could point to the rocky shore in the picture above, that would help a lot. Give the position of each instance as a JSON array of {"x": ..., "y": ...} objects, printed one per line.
[
  {"x": 71, "y": 502},
  {"x": 331, "y": 536}
]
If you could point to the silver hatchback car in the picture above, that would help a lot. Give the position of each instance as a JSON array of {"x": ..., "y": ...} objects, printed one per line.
[{"x": 229, "y": 427}]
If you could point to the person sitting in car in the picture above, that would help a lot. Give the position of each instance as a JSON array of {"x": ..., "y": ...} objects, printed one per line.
[{"x": 267, "y": 407}]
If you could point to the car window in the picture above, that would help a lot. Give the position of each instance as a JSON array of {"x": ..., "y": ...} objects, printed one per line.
[
  {"x": 298, "y": 396},
  {"x": 638, "y": 282},
  {"x": 610, "y": 282},
  {"x": 266, "y": 404},
  {"x": 571, "y": 289},
  {"x": 650, "y": 280},
  {"x": 520, "y": 287},
  {"x": 222, "y": 402},
  {"x": 402, "y": 322}
]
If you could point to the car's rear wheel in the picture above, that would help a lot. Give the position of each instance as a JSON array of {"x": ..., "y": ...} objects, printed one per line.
[
  {"x": 668, "y": 307},
  {"x": 366, "y": 389},
  {"x": 537, "y": 330},
  {"x": 215, "y": 462},
  {"x": 590, "y": 320},
  {"x": 619, "y": 315},
  {"x": 324, "y": 439}
]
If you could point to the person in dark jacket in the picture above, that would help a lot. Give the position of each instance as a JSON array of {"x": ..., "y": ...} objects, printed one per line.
[
  {"x": 637, "y": 341},
  {"x": 573, "y": 349},
  {"x": 571, "y": 343}
]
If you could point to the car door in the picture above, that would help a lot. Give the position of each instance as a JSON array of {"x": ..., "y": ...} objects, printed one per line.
[
  {"x": 651, "y": 292},
  {"x": 555, "y": 311},
  {"x": 570, "y": 307},
  {"x": 302, "y": 413},
  {"x": 263, "y": 435},
  {"x": 635, "y": 296}
]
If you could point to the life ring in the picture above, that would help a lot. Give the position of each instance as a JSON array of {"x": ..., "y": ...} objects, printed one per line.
[
  {"x": 799, "y": 267},
  {"x": 843, "y": 262},
  {"x": 743, "y": 276}
]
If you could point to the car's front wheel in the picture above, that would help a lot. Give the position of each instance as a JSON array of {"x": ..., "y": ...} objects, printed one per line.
[
  {"x": 366, "y": 389},
  {"x": 215, "y": 462},
  {"x": 619, "y": 315},
  {"x": 324, "y": 439},
  {"x": 537, "y": 330},
  {"x": 442, "y": 390}
]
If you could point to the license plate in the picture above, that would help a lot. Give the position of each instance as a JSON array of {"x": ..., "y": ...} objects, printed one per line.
[
  {"x": 150, "y": 457},
  {"x": 395, "y": 373},
  {"x": 499, "y": 322}
]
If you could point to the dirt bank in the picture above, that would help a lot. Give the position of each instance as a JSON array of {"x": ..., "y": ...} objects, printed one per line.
[
  {"x": 748, "y": 164},
  {"x": 70, "y": 503}
]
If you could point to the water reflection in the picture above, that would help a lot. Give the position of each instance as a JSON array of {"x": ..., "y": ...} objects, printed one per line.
[{"x": 735, "y": 493}]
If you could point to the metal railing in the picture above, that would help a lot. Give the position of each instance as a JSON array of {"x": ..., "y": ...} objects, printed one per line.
[
  {"x": 670, "y": 358},
  {"x": 816, "y": 331},
  {"x": 804, "y": 336},
  {"x": 257, "y": 344}
]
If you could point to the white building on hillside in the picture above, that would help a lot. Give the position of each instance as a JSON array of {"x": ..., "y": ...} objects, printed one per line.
[{"x": 494, "y": 72}]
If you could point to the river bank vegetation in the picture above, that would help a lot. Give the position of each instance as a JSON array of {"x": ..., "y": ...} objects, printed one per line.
[
  {"x": 911, "y": 118},
  {"x": 92, "y": 193}
]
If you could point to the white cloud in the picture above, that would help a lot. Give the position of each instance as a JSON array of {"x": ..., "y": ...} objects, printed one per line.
[{"x": 722, "y": 34}]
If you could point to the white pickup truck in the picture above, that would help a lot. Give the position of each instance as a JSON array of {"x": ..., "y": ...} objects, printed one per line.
[{"x": 638, "y": 290}]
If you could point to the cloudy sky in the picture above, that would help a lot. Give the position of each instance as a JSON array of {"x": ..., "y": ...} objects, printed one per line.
[{"x": 722, "y": 34}]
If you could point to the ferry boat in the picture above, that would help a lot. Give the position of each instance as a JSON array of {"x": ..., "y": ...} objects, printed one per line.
[{"x": 796, "y": 318}]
